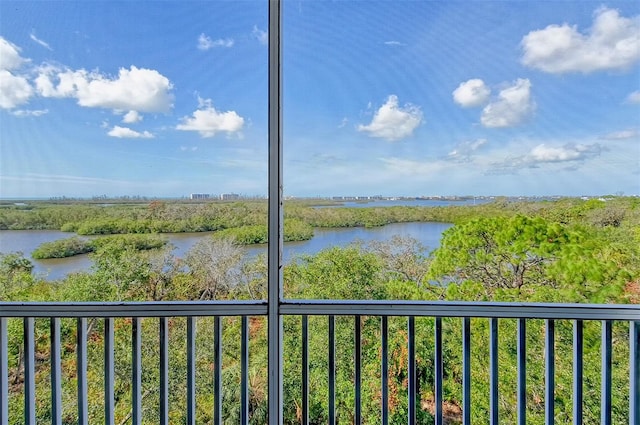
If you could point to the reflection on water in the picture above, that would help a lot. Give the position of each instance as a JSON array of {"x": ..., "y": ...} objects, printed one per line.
[{"x": 25, "y": 241}]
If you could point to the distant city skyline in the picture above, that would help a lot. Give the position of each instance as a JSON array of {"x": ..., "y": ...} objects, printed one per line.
[{"x": 420, "y": 98}]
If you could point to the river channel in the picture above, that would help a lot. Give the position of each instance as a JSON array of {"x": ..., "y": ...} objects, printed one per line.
[{"x": 25, "y": 241}]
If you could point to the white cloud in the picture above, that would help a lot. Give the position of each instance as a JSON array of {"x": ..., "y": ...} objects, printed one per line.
[
  {"x": 10, "y": 55},
  {"x": 206, "y": 43},
  {"x": 634, "y": 97},
  {"x": 40, "y": 42},
  {"x": 135, "y": 89},
  {"x": 465, "y": 150},
  {"x": 208, "y": 121},
  {"x": 471, "y": 93},
  {"x": 393, "y": 43},
  {"x": 392, "y": 122},
  {"x": 260, "y": 35},
  {"x": 621, "y": 135},
  {"x": 611, "y": 43},
  {"x": 14, "y": 90},
  {"x": 569, "y": 154},
  {"x": 127, "y": 133},
  {"x": 132, "y": 117},
  {"x": 513, "y": 106},
  {"x": 30, "y": 113}
]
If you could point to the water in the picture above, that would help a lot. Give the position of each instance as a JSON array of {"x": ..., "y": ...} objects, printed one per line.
[
  {"x": 428, "y": 234},
  {"x": 25, "y": 241}
]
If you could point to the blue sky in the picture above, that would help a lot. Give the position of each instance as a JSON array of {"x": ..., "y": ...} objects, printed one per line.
[{"x": 164, "y": 99}]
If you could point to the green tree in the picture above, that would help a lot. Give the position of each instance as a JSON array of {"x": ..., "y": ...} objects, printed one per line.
[
  {"x": 336, "y": 273},
  {"x": 62, "y": 248},
  {"x": 500, "y": 252},
  {"x": 127, "y": 264}
]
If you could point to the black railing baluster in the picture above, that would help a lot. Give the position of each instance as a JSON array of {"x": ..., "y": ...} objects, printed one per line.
[
  {"x": 56, "y": 372},
  {"x": 332, "y": 371},
  {"x": 577, "y": 371},
  {"x": 191, "y": 370},
  {"x": 549, "y": 367},
  {"x": 109, "y": 402},
  {"x": 605, "y": 391},
  {"x": 412, "y": 381},
  {"x": 136, "y": 371},
  {"x": 634, "y": 373},
  {"x": 466, "y": 371},
  {"x": 29, "y": 372},
  {"x": 244, "y": 372},
  {"x": 384, "y": 370},
  {"x": 438, "y": 370},
  {"x": 217, "y": 372},
  {"x": 164, "y": 371},
  {"x": 81, "y": 370},
  {"x": 493, "y": 370},
  {"x": 358, "y": 369},
  {"x": 305, "y": 370},
  {"x": 522, "y": 371},
  {"x": 4, "y": 372}
]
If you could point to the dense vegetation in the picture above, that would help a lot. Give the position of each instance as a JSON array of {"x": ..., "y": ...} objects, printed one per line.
[
  {"x": 75, "y": 246},
  {"x": 564, "y": 251}
]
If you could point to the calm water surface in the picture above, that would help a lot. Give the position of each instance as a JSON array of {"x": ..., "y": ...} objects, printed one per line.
[{"x": 25, "y": 241}]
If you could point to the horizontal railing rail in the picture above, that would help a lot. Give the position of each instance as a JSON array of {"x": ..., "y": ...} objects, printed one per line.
[
  {"x": 133, "y": 309},
  {"x": 107, "y": 317},
  {"x": 484, "y": 309}
]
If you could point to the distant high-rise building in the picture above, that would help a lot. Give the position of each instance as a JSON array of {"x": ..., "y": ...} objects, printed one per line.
[
  {"x": 199, "y": 196},
  {"x": 229, "y": 197}
]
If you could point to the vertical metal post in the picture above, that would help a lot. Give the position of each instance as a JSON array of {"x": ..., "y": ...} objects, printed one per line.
[
  {"x": 358, "y": 369},
  {"x": 411, "y": 366},
  {"x": 109, "y": 401},
  {"x": 332, "y": 371},
  {"x": 244, "y": 372},
  {"x": 191, "y": 370},
  {"x": 164, "y": 371},
  {"x": 136, "y": 371},
  {"x": 217, "y": 373},
  {"x": 493, "y": 370},
  {"x": 549, "y": 369},
  {"x": 634, "y": 373},
  {"x": 522, "y": 371},
  {"x": 577, "y": 371},
  {"x": 439, "y": 420},
  {"x": 275, "y": 231},
  {"x": 466, "y": 371},
  {"x": 4, "y": 372},
  {"x": 29, "y": 372},
  {"x": 305, "y": 370},
  {"x": 81, "y": 365},
  {"x": 605, "y": 405},
  {"x": 384, "y": 372},
  {"x": 56, "y": 372}
]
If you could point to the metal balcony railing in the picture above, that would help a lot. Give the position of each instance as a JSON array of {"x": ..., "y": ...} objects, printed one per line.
[{"x": 41, "y": 344}]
